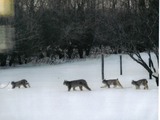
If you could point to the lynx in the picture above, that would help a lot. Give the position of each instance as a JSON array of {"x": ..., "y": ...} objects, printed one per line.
[
  {"x": 76, "y": 83},
  {"x": 114, "y": 82},
  {"x": 140, "y": 82},
  {"x": 18, "y": 84}
]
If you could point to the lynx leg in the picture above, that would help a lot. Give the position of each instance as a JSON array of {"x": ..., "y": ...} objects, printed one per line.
[
  {"x": 137, "y": 87},
  {"x": 25, "y": 86},
  {"x": 119, "y": 84},
  {"x": 104, "y": 86},
  {"x": 80, "y": 87},
  {"x": 146, "y": 87},
  {"x": 69, "y": 88},
  {"x": 115, "y": 86},
  {"x": 74, "y": 89},
  {"x": 86, "y": 86},
  {"x": 28, "y": 85}
]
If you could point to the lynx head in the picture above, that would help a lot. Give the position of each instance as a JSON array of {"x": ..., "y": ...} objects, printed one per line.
[
  {"x": 12, "y": 83},
  {"x": 65, "y": 82},
  {"x": 133, "y": 82},
  {"x": 103, "y": 81}
]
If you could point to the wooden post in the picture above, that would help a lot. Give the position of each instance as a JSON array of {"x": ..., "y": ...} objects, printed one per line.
[
  {"x": 102, "y": 57},
  {"x": 120, "y": 64},
  {"x": 149, "y": 62}
]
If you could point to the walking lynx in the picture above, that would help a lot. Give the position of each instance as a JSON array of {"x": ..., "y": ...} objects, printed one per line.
[
  {"x": 114, "y": 82},
  {"x": 139, "y": 83},
  {"x": 76, "y": 83}
]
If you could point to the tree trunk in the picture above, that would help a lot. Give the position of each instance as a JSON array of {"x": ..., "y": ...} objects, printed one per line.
[
  {"x": 144, "y": 64},
  {"x": 19, "y": 60},
  {"x": 157, "y": 79},
  {"x": 3, "y": 59},
  {"x": 11, "y": 60},
  {"x": 87, "y": 51},
  {"x": 102, "y": 57},
  {"x": 70, "y": 52},
  {"x": 80, "y": 52}
]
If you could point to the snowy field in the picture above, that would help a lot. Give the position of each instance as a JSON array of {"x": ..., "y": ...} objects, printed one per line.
[{"x": 48, "y": 98}]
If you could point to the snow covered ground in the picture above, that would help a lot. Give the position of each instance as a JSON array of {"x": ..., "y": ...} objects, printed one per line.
[{"x": 48, "y": 98}]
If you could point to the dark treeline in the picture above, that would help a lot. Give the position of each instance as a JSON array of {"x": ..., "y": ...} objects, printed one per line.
[{"x": 68, "y": 28}]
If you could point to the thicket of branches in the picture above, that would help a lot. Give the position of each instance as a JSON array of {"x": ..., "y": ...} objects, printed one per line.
[{"x": 65, "y": 29}]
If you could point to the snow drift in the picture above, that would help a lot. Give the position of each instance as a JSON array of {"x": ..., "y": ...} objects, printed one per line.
[{"x": 48, "y": 98}]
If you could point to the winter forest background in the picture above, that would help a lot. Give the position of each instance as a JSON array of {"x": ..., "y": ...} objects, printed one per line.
[{"x": 58, "y": 30}]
